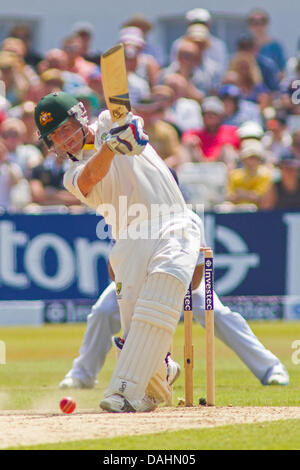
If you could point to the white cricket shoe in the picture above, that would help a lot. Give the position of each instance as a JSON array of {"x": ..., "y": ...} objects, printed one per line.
[
  {"x": 278, "y": 379},
  {"x": 173, "y": 370},
  {"x": 73, "y": 382},
  {"x": 119, "y": 404}
]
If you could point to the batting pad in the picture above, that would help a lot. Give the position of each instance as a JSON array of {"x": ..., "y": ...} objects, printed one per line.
[
  {"x": 154, "y": 321},
  {"x": 158, "y": 387}
]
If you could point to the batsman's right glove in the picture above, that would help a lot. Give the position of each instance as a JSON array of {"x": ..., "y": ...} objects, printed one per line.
[{"x": 130, "y": 139}]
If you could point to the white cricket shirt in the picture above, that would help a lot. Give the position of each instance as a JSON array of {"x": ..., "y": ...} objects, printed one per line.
[{"x": 132, "y": 188}]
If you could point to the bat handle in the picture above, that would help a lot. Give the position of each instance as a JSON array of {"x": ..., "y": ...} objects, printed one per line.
[{"x": 118, "y": 128}]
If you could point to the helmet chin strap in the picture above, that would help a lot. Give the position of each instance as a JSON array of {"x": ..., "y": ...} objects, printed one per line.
[{"x": 84, "y": 136}]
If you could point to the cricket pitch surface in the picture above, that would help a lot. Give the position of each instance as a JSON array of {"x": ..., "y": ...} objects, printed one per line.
[{"x": 25, "y": 428}]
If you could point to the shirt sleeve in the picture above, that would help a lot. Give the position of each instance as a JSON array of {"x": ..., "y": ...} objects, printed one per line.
[
  {"x": 70, "y": 182},
  {"x": 198, "y": 221},
  {"x": 200, "y": 260}
]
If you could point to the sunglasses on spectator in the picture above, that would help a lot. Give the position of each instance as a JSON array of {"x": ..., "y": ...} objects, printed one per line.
[
  {"x": 12, "y": 134},
  {"x": 72, "y": 48},
  {"x": 187, "y": 55},
  {"x": 84, "y": 34},
  {"x": 257, "y": 21}
]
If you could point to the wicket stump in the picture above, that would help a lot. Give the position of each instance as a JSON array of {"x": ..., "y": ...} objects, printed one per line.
[
  {"x": 209, "y": 335},
  {"x": 209, "y": 326},
  {"x": 188, "y": 347}
]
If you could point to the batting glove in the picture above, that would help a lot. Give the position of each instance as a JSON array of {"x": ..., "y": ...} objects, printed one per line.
[{"x": 129, "y": 139}]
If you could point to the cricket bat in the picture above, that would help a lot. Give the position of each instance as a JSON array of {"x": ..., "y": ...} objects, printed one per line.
[{"x": 115, "y": 83}]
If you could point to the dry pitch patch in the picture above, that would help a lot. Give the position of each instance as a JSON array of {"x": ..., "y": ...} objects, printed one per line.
[{"x": 36, "y": 427}]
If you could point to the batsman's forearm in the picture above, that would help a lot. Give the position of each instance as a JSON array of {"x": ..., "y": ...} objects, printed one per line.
[{"x": 95, "y": 169}]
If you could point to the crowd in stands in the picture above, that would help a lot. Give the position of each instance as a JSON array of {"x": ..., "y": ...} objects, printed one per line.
[{"x": 201, "y": 105}]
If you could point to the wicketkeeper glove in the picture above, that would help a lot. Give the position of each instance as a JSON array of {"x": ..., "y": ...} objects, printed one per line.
[{"x": 130, "y": 139}]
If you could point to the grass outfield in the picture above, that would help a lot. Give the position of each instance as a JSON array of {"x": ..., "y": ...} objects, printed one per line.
[{"x": 38, "y": 358}]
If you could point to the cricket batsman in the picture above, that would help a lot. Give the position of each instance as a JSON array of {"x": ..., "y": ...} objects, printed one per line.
[
  {"x": 115, "y": 171},
  {"x": 230, "y": 327}
]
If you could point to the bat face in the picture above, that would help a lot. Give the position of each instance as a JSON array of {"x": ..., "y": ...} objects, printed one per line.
[{"x": 115, "y": 83}]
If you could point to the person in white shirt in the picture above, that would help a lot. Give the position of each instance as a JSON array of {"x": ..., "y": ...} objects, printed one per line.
[
  {"x": 203, "y": 72},
  {"x": 10, "y": 175},
  {"x": 217, "y": 50},
  {"x": 155, "y": 252},
  {"x": 27, "y": 156},
  {"x": 185, "y": 113}
]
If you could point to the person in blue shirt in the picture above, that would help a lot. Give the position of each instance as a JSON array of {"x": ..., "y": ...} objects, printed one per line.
[
  {"x": 237, "y": 109},
  {"x": 268, "y": 67},
  {"x": 258, "y": 21}
]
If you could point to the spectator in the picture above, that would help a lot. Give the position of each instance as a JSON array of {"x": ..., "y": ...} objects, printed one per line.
[
  {"x": 203, "y": 75},
  {"x": 13, "y": 132},
  {"x": 73, "y": 47},
  {"x": 295, "y": 144},
  {"x": 230, "y": 78},
  {"x": 291, "y": 73},
  {"x": 50, "y": 81},
  {"x": 2, "y": 111},
  {"x": 216, "y": 51},
  {"x": 46, "y": 183},
  {"x": 268, "y": 68},
  {"x": 23, "y": 32},
  {"x": 277, "y": 138},
  {"x": 95, "y": 84},
  {"x": 140, "y": 21},
  {"x": 146, "y": 66},
  {"x": 258, "y": 21},
  {"x": 15, "y": 83},
  {"x": 138, "y": 87},
  {"x": 249, "y": 184},
  {"x": 249, "y": 78},
  {"x": 285, "y": 194},
  {"x": 86, "y": 31},
  {"x": 54, "y": 59},
  {"x": 58, "y": 59},
  {"x": 10, "y": 175},
  {"x": 216, "y": 141},
  {"x": 17, "y": 46},
  {"x": 237, "y": 109},
  {"x": 27, "y": 116},
  {"x": 162, "y": 135},
  {"x": 291, "y": 104},
  {"x": 184, "y": 113},
  {"x": 250, "y": 130}
]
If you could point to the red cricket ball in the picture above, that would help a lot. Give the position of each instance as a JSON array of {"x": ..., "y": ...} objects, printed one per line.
[{"x": 67, "y": 405}]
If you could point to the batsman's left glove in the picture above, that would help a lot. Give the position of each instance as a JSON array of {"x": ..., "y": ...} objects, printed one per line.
[{"x": 130, "y": 139}]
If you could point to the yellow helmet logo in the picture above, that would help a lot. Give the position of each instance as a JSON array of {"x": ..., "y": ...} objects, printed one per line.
[{"x": 45, "y": 118}]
